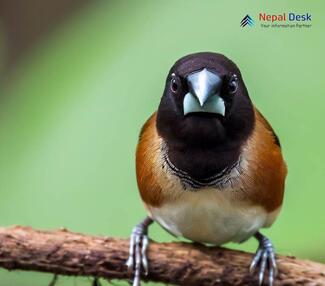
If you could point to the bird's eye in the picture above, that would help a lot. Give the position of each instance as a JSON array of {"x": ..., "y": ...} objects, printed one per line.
[
  {"x": 233, "y": 84},
  {"x": 174, "y": 84}
]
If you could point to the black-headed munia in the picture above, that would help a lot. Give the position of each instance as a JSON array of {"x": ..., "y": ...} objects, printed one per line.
[{"x": 209, "y": 165}]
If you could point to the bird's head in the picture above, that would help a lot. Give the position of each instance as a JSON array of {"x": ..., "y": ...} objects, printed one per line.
[{"x": 205, "y": 102}]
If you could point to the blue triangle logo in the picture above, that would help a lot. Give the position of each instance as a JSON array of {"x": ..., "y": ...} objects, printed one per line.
[{"x": 247, "y": 21}]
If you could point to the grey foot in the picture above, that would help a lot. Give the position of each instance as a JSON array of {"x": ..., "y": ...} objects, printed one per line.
[
  {"x": 138, "y": 246},
  {"x": 264, "y": 260}
]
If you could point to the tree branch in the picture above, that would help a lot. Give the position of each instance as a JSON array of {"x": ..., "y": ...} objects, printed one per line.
[{"x": 66, "y": 253}]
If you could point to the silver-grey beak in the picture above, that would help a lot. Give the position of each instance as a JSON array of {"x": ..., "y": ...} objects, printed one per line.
[{"x": 204, "y": 95}]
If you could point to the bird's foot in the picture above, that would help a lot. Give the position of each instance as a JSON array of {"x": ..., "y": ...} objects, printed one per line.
[
  {"x": 138, "y": 246},
  {"x": 264, "y": 260}
]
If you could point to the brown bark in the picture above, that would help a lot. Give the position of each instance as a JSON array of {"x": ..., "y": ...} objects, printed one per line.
[{"x": 66, "y": 253}]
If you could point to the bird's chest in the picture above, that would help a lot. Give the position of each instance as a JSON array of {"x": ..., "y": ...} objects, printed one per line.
[{"x": 210, "y": 216}]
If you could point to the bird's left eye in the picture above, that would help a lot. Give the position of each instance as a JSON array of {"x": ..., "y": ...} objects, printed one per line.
[{"x": 233, "y": 84}]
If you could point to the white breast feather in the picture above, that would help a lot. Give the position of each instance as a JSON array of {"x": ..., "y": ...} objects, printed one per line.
[{"x": 210, "y": 216}]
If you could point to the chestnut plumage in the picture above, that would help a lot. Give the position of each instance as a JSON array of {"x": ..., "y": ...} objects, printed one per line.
[{"x": 209, "y": 165}]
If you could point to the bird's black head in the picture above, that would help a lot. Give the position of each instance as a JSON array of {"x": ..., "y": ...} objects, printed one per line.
[{"x": 205, "y": 103}]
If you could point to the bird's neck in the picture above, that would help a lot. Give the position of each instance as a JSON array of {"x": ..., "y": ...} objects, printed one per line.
[{"x": 202, "y": 162}]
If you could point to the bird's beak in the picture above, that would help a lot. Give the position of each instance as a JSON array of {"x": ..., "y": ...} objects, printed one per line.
[{"x": 204, "y": 93}]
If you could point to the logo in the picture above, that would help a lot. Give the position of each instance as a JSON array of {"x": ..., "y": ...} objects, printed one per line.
[
  {"x": 247, "y": 20},
  {"x": 284, "y": 17},
  {"x": 280, "y": 20}
]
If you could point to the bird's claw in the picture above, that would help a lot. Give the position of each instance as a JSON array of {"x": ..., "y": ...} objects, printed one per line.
[
  {"x": 137, "y": 255},
  {"x": 264, "y": 259}
]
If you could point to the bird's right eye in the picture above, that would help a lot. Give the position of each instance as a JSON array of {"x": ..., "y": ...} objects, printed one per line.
[{"x": 174, "y": 84}]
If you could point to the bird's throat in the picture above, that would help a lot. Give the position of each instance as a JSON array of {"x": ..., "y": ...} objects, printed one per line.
[{"x": 201, "y": 167}]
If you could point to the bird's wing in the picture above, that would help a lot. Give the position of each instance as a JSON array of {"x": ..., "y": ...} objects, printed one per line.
[
  {"x": 265, "y": 171},
  {"x": 147, "y": 157}
]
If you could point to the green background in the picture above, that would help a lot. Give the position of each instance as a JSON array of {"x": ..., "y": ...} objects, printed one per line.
[{"x": 69, "y": 124}]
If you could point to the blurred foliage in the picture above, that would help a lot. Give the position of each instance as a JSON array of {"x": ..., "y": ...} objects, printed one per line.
[{"x": 70, "y": 117}]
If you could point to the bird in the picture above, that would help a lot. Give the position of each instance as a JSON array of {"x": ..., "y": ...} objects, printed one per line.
[{"x": 209, "y": 165}]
